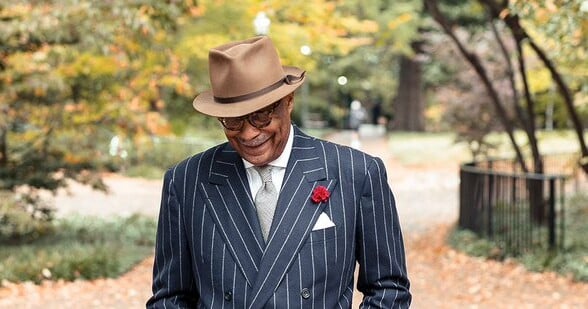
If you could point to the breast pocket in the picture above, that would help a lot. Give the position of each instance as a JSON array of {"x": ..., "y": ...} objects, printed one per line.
[
  {"x": 322, "y": 235},
  {"x": 319, "y": 253}
]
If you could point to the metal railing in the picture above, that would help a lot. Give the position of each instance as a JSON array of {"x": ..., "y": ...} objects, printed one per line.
[{"x": 517, "y": 211}]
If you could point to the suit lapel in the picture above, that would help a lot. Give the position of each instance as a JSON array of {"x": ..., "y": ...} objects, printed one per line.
[
  {"x": 295, "y": 215},
  {"x": 233, "y": 211}
]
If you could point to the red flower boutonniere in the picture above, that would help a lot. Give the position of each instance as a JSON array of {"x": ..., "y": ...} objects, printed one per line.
[{"x": 320, "y": 194}]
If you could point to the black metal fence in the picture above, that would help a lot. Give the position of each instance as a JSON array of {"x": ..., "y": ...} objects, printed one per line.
[{"x": 518, "y": 211}]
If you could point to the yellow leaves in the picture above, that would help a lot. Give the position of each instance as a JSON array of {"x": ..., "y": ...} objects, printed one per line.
[
  {"x": 40, "y": 91},
  {"x": 550, "y": 6},
  {"x": 126, "y": 44},
  {"x": 577, "y": 37},
  {"x": 160, "y": 36},
  {"x": 540, "y": 80},
  {"x": 197, "y": 11},
  {"x": 28, "y": 63},
  {"x": 198, "y": 46},
  {"x": 542, "y": 15},
  {"x": 156, "y": 124},
  {"x": 74, "y": 158},
  {"x": 359, "y": 26},
  {"x": 401, "y": 20},
  {"x": 135, "y": 105},
  {"x": 10, "y": 11},
  {"x": 90, "y": 64},
  {"x": 179, "y": 83},
  {"x": 74, "y": 108},
  {"x": 435, "y": 112}
]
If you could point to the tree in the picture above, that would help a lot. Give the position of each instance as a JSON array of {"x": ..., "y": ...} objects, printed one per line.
[
  {"x": 519, "y": 35},
  {"x": 329, "y": 31},
  {"x": 375, "y": 69},
  {"x": 72, "y": 73},
  {"x": 524, "y": 118},
  {"x": 75, "y": 73}
]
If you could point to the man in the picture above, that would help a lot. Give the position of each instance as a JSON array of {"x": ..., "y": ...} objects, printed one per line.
[{"x": 231, "y": 235}]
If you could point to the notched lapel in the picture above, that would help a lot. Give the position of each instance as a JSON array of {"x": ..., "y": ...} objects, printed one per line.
[{"x": 232, "y": 209}]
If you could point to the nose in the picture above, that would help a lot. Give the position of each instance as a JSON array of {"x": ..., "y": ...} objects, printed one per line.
[{"x": 248, "y": 132}]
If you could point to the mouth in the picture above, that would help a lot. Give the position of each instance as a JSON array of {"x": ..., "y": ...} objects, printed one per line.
[{"x": 256, "y": 143}]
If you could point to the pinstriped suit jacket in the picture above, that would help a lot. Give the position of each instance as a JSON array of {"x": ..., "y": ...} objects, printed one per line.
[{"x": 210, "y": 252}]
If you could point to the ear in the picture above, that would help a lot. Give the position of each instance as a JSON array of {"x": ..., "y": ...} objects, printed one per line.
[{"x": 290, "y": 102}]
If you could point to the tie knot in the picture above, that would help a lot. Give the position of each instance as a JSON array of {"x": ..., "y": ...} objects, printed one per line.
[{"x": 265, "y": 172}]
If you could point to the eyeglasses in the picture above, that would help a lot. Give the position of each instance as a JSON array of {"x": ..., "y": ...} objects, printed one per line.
[{"x": 259, "y": 119}]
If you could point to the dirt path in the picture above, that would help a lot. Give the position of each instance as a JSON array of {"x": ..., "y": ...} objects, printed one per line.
[{"x": 427, "y": 205}]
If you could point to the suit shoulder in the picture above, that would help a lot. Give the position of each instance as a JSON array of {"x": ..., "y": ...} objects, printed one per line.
[
  {"x": 195, "y": 161},
  {"x": 333, "y": 147}
]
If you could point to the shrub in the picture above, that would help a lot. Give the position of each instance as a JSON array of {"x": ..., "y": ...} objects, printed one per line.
[
  {"x": 23, "y": 217},
  {"x": 80, "y": 248},
  {"x": 570, "y": 260},
  {"x": 469, "y": 242}
]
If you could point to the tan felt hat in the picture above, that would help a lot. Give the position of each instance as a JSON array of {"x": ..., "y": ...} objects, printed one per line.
[{"x": 246, "y": 76}]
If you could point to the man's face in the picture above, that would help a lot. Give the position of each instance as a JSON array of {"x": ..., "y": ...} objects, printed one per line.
[{"x": 261, "y": 146}]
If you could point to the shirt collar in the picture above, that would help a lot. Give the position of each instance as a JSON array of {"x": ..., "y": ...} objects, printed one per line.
[{"x": 282, "y": 160}]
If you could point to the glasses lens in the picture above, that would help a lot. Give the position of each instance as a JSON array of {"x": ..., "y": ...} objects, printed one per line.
[
  {"x": 261, "y": 119},
  {"x": 233, "y": 124}
]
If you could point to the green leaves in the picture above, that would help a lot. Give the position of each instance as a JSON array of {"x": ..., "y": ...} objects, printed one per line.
[{"x": 71, "y": 70}]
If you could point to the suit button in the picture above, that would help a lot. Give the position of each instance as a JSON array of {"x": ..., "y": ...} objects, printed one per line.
[
  {"x": 228, "y": 295},
  {"x": 305, "y": 293}
]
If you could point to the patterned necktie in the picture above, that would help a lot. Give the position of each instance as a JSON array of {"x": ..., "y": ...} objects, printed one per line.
[{"x": 266, "y": 199}]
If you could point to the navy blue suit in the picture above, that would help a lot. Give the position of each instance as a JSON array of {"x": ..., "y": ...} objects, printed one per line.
[{"x": 210, "y": 251}]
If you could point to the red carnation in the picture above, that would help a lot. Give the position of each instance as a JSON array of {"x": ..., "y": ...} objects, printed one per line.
[{"x": 320, "y": 194}]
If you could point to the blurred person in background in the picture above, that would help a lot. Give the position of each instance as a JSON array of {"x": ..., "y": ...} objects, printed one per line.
[
  {"x": 357, "y": 115},
  {"x": 274, "y": 218}
]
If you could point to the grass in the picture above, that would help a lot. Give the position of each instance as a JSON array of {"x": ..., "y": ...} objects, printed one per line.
[
  {"x": 418, "y": 148},
  {"x": 413, "y": 148},
  {"x": 80, "y": 248}
]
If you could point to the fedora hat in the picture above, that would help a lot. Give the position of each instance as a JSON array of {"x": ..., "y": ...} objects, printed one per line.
[{"x": 246, "y": 76}]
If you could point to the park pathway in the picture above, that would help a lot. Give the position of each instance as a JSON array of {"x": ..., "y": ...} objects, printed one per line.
[{"x": 427, "y": 204}]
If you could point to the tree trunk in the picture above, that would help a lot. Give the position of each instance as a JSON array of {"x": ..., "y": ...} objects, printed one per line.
[
  {"x": 534, "y": 187},
  {"x": 409, "y": 107},
  {"x": 3, "y": 148}
]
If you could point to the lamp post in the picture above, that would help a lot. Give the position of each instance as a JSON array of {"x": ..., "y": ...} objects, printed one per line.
[
  {"x": 261, "y": 23},
  {"x": 342, "y": 81}
]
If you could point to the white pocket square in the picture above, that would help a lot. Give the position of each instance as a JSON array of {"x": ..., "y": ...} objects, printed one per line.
[{"x": 323, "y": 222}]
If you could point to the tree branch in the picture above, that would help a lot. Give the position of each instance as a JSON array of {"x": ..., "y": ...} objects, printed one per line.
[{"x": 432, "y": 7}]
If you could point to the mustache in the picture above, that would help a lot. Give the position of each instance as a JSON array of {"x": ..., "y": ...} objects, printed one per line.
[{"x": 258, "y": 140}]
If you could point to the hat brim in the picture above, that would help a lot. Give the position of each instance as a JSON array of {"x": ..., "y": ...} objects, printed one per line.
[{"x": 206, "y": 104}]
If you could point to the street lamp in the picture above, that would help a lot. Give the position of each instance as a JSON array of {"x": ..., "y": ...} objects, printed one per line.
[
  {"x": 305, "y": 50},
  {"x": 261, "y": 23},
  {"x": 342, "y": 81}
]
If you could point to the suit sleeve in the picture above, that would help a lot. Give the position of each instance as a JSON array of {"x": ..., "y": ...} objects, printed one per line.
[
  {"x": 173, "y": 286},
  {"x": 383, "y": 278}
]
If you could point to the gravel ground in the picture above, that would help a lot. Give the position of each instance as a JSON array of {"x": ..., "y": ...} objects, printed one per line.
[{"x": 427, "y": 204}]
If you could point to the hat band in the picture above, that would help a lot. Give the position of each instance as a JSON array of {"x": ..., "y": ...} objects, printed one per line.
[{"x": 288, "y": 79}]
